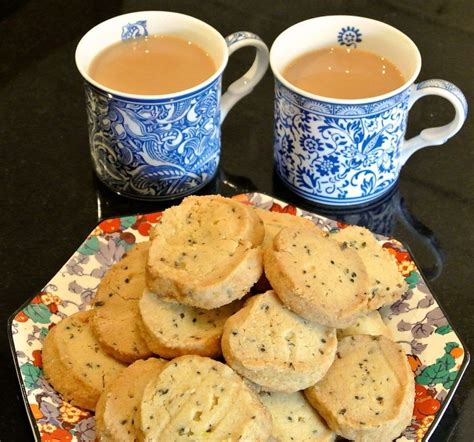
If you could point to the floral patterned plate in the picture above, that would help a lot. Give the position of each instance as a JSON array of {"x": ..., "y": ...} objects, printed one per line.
[{"x": 434, "y": 350}]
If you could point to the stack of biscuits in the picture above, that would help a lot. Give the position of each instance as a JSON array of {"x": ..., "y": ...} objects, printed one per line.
[{"x": 235, "y": 323}]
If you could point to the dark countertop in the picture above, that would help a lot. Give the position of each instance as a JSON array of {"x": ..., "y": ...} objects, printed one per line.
[{"x": 50, "y": 199}]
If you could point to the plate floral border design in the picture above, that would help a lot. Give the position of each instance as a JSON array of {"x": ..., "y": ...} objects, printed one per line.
[{"x": 435, "y": 352}]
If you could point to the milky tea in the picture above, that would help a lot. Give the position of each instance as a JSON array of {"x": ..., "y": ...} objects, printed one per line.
[
  {"x": 343, "y": 73},
  {"x": 152, "y": 65}
]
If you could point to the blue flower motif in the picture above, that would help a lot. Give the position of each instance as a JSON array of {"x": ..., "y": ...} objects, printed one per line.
[
  {"x": 311, "y": 144},
  {"x": 134, "y": 30},
  {"x": 328, "y": 165},
  {"x": 349, "y": 36},
  {"x": 349, "y": 150}
]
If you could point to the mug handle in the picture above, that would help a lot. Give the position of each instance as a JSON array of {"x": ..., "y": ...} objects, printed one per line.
[
  {"x": 245, "y": 84},
  {"x": 435, "y": 136}
]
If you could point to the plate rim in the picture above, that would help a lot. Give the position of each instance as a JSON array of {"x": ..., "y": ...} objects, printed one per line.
[
  {"x": 467, "y": 355},
  {"x": 24, "y": 395},
  {"x": 432, "y": 427}
]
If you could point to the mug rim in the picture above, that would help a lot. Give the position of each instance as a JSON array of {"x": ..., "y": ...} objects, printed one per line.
[
  {"x": 344, "y": 101},
  {"x": 144, "y": 97}
]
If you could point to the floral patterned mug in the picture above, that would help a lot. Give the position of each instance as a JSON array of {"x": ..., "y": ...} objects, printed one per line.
[
  {"x": 165, "y": 146},
  {"x": 345, "y": 152}
]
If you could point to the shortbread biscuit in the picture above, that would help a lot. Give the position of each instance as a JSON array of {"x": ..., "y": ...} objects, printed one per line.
[
  {"x": 118, "y": 404},
  {"x": 275, "y": 348},
  {"x": 74, "y": 363},
  {"x": 172, "y": 329},
  {"x": 369, "y": 324},
  {"x": 273, "y": 222},
  {"x": 126, "y": 277},
  {"x": 115, "y": 318},
  {"x": 386, "y": 283},
  {"x": 197, "y": 398},
  {"x": 317, "y": 278},
  {"x": 369, "y": 391},
  {"x": 206, "y": 252},
  {"x": 294, "y": 419}
]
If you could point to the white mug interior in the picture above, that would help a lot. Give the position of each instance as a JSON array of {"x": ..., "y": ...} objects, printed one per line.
[
  {"x": 322, "y": 32},
  {"x": 109, "y": 32}
]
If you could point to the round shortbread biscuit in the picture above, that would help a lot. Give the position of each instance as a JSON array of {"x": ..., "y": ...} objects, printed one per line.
[
  {"x": 275, "y": 348},
  {"x": 294, "y": 419},
  {"x": 74, "y": 363},
  {"x": 273, "y": 222},
  {"x": 369, "y": 391},
  {"x": 119, "y": 402},
  {"x": 116, "y": 315},
  {"x": 197, "y": 398},
  {"x": 205, "y": 252},
  {"x": 369, "y": 324},
  {"x": 317, "y": 278},
  {"x": 386, "y": 283},
  {"x": 172, "y": 329}
]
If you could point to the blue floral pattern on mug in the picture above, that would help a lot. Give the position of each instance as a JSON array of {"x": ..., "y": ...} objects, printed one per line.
[
  {"x": 349, "y": 36},
  {"x": 334, "y": 153},
  {"x": 134, "y": 30},
  {"x": 153, "y": 149}
]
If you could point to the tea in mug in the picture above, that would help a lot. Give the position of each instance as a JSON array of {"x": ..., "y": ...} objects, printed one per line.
[
  {"x": 343, "y": 73},
  {"x": 152, "y": 65}
]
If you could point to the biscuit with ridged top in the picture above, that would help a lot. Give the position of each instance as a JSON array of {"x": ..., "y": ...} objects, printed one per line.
[
  {"x": 116, "y": 315},
  {"x": 74, "y": 363},
  {"x": 205, "y": 252},
  {"x": 198, "y": 398},
  {"x": 369, "y": 391},
  {"x": 386, "y": 283},
  {"x": 172, "y": 329},
  {"x": 317, "y": 278},
  {"x": 119, "y": 402},
  {"x": 294, "y": 419},
  {"x": 275, "y": 348}
]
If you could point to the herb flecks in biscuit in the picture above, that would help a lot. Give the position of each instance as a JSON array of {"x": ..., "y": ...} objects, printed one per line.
[
  {"x": 198, "y": 398},
  {"x": 118, "y": 405},
  {"x": 172, "y": 329},
  {"x": 275, "y": 348},
  {"x": 273, "y": 222},
  {"x": 74, "y": 363},
  {"x": 317, "y": 278},
  {"x": 386, "y": 283},
  {"x": 294, "y": 419},
  {"x": 368, "y": 393},
  {"x": 206, "y": 252},
  {"x": 115, "y": 317}
]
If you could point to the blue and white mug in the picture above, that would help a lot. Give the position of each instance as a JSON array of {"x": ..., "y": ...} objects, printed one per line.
[
  {"x": 345, "y": 152},
  {"x": 165, "y": 146}
]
